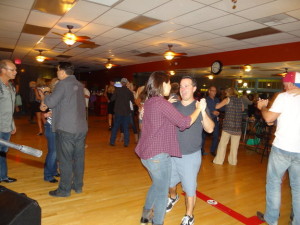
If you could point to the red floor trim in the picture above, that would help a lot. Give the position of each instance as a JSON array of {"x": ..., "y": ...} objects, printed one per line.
[{"x": 248, "y": 221}]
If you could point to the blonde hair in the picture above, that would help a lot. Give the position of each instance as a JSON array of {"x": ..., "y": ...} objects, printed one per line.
[{"x": 40, "y": 82}]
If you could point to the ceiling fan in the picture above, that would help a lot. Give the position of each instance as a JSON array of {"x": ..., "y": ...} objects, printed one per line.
[
  {"x": 282, "y": 74},
  {"x": 108, "y": 64},
  {"x": 40, "y": 57},
  {"x": 169, "y": 54},
  {"x": 70, "y": 38}
]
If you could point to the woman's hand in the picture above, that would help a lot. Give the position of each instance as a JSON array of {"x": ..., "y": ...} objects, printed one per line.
[{"x": 172, "y": 99}]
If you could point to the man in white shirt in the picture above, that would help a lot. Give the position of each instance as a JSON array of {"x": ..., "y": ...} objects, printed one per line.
[{"x": 285, "y": 154}]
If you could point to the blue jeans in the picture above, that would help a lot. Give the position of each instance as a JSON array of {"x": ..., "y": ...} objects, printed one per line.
[
  {"x": 120, "y": 121},
  {"x": 279, "y": 162},
  {"x": 70, "y": 156},
  {"x": 215, "y": 137},
  {"x": 159, "y": 168},
  {"x": 3, "y": 149},
  {"x": 50, "y": 168}
]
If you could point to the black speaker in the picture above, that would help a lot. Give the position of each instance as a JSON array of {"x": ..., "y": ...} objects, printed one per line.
[{"x": 18, "y": 209}]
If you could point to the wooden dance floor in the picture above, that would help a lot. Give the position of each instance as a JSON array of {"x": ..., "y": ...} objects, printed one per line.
[{"x": 115, "y": 184}]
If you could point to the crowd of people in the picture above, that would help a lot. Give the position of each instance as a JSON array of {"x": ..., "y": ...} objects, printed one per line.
[{"x": 173, "y": 127}]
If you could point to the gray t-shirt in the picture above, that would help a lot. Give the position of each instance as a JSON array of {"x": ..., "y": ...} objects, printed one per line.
[{"x": 190, "y": 140}]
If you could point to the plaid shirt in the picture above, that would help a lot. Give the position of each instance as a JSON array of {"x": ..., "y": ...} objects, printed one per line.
[{"x": 159, "y": 133}]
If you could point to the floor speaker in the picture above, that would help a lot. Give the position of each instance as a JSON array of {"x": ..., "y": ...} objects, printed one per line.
[{"x": 18, "y": 209}]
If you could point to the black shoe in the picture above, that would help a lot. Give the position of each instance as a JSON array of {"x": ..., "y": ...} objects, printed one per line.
[
  {"x": 111, "y": 144},
  {"x": 145, "y": 220},
  {"x": 125, "y": 146},
  {"x": 53, "y": 180},
  {"x": 57, "y": 193},
  {"x": 57, "y": 175},
  {"x": 260, "y": 216},
  {"x": 213, "y": 154},
  {"x": 9, "y": 180}
]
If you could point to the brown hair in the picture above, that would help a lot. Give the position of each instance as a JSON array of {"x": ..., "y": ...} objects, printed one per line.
[
  {"x": 231, "y": 92},
  {"x": 154, "y": 85}
]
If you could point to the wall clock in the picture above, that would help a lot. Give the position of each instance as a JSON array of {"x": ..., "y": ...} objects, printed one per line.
[{"x": 216, "y": 67}]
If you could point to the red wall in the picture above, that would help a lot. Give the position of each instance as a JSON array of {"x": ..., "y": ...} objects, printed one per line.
[{"x": 274, "y": 53}]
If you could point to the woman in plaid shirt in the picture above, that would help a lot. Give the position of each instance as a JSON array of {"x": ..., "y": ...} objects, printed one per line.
[{"x": 159, "y": 141}]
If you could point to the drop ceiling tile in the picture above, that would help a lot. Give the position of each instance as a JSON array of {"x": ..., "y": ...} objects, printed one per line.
[
  {"x": 240, "y": 6},
  {"x": 64, "y": 21},
  {"x": 10, "y": 13},
  {"x": 9, "y": 34},
  {"x": 117, "y": 33},
  {"x": 288, "y": 26},
  {"x": 105, "y": 2},
  {"x": 11, "y": 26},
  {"x": 198, "y": 16},
  {"x": 207, "y": 2},
  {"x": 296, "y": 33},
  {"x": 294, "y": 13},
  {"x": 238, "y": 28},
  {"x": 86, "y": 11},
  {"x": 95, "y": 29},
  {"x": 279, "y": 41},
  {"x": 199, "y": 37},
  {"x": 102, "y": 40},
  {"x": 136, "y": 37},
  {"x": 114, "y": 17},
  {"x": 7, "y": 42},
  {"x": 139, "y": 7},
  {"x": 42, "y": 19},
  {"x": 117, "y": 44},
  {"x": 215, "y": 42},
  {"x": 162, "y": 28},
  {"x": 18, "y": 3},
  {"x": 267, "y": 38},
  {"x": 173, "y": 9},
  {"x": 184, "y": 32},
  {"x": 268, "y": 9},
  {"x": 219, "y": 23}
]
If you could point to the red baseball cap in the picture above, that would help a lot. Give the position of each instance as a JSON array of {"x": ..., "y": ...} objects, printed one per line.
[{"x": 293, "y": 77}]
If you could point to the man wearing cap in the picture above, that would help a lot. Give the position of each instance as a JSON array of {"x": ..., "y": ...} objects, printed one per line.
[
  {"x": 122, "y": 97},
  {"x": 285, "y": 154}
]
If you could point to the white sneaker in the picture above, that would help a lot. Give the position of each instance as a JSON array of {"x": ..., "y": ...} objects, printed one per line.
[
  {"x": 187, "y": 220},
  {"x": 171, "y": 203}
]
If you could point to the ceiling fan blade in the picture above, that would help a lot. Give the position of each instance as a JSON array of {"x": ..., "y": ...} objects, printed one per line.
[
  {"x": 58, "y": 34},
  {"x": 87, "y": 42},
  {"x": 88, "y": 45},
  {"x": 80, "y": 38},
  {"x": 180, "y": 53}
]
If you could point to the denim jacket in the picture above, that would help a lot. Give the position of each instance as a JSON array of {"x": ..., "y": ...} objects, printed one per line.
[{"x": 7, "y": 106}]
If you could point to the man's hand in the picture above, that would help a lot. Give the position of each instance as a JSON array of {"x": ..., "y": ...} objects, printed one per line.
[
  {"x": 216, "y": 113},
  {"x": 14, "y": 131},
  {"x": 261, "y": 103}
]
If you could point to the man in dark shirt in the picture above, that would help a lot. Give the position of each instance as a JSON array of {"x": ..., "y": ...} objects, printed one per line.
[
  {"x": 69, "y": 122},
  {"x": 185, "y": 169},
  {"x": 211, "y": 101},
  {"x": 122, "y": 97}
]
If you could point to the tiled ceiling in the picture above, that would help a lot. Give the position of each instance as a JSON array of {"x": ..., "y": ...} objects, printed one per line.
[{"x": 195, "y": 27}]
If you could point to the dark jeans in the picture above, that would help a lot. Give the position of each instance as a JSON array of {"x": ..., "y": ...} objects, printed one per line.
[
  {"x": 120, "y": 121},
  {"x": 132, "y": 123},
  {"x": 50, "y": 169},
  {"x": 215, "y": 138},
  {"x": 3, "y": 149},
  {"x": 70, "y": 156}
]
